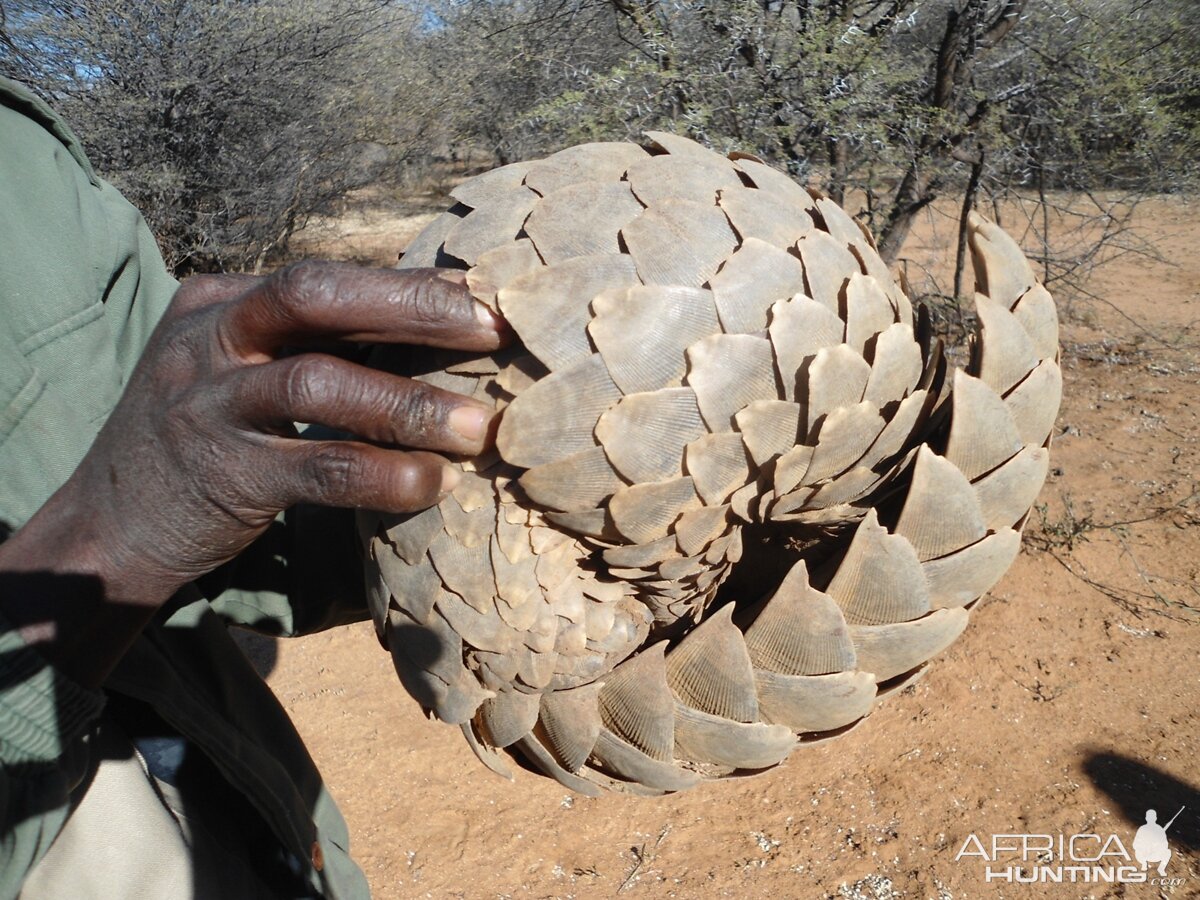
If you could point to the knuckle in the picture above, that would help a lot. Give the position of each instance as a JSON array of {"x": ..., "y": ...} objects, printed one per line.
[
  {"x": 300, "y": 286},
  {"x": 443, "y": 304},
  {"x": 333, "y": 472},
  {"x": 311, "y": 383},
  {"x": 418, "y": 414},
  {"x": 433, "y": 300}
]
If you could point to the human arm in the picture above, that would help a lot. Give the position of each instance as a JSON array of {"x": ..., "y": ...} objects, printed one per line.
[{"x": 200, "y": 454}]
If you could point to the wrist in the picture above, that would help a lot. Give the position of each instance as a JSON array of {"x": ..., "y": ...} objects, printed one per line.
[{"x": 71, "y": 535}]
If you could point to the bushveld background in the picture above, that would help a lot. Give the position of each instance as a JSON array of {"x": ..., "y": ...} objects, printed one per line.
[{"x": 250, "y": 133}]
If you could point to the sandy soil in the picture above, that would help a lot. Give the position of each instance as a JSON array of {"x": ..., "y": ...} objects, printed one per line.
[{"x": 1070, "y": 706}]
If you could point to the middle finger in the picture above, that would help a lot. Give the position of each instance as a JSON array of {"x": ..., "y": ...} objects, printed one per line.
[{"x": 317, "y": 388}]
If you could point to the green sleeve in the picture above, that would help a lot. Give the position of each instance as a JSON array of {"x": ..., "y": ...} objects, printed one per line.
[
  {"x": 44, "y": 717},
  {"x": 82, "y": 286}
]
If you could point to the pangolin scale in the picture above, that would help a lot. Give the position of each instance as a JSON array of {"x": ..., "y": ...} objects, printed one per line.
[{"x": 708, "y": 353}]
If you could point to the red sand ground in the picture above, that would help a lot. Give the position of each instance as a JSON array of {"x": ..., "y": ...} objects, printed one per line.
[{"x": 1070, "y": 706}]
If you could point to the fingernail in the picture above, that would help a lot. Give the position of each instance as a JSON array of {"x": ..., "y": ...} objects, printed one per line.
[
  {"x": 470, "y": 421},
  {"x": 450, "y": 479}
]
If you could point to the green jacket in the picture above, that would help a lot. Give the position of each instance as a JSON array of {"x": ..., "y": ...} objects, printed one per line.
[{"x": 81, "y": 287}]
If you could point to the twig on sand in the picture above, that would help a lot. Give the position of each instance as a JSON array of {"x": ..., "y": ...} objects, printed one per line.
[
  {"x": 1058, "y": 540},
  {"x": 641, "y": 856}
]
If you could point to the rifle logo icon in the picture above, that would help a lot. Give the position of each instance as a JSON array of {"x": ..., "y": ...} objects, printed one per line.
[{"x": 1150, "y": 842}]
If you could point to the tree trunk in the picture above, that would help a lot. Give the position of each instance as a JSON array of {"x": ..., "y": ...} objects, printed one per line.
[
  {"x": 839, "y": 165},
  {"x": 968, "y": 204},
  {"x": 914, "y": 193}
]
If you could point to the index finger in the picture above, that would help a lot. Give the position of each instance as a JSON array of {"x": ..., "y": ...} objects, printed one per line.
[{"x": 310, "y": 300}]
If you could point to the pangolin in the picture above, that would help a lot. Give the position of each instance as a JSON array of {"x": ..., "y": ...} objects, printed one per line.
[{"x": 738, "y": 493}]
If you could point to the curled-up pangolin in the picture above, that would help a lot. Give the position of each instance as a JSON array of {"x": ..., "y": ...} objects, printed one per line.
[{"x": 713, "y": 362}]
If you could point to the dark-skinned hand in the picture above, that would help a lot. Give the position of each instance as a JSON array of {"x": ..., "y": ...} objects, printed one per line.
[{"x": 200, "y": 454}]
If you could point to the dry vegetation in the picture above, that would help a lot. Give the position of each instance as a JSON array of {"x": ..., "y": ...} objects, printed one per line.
[{"x": 234, "y": 124}]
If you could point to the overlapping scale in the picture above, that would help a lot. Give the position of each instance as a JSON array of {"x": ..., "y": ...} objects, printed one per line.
[
  {"x": 556, "y": 227},
  {"x": 703, "y": 344},
  {"x": 1039, "y": 317},
  {"x": 666, "y": 321},
  {"x": 679, "y": 242},
  {"x": 1001, "y": 271},
  {"x": 984, "y": 434},
  {"x": 697, "y": 529},
  {"x": 1033, "y": 403},
  {"x": 710, "y": 670},
  {"x": 644, "y": 512},
  {"x": 828, "y": 266},
  {"x": 1006, "y": 353},
  {"x": 800, "y": 328},
  {"x": 941, "y": 512},
  {"x": 714, "y": 739},
  {"x": 409, "y": 536},
  {"x": 718, "y": 464},
  {"x": 571, "y": 723},
  {"x": 895, "y": 365},
  {"x": 601, "y": 161},
  {"x": 1007, "y": 493},
  {"x": 491, "y": 225},
  {"x": 764, "y": 216},
  {"x": 729, "y": 372},
  {"x": 800, "y": 631},
  {"x": 880, "y": 579},
  {"x": 575, "y": 483},
  {"x": 629, "y": 763},
  {"x": 814, "y": 703},
  {"x": 774, "y": 183},
  {"x": 548, "y": 306},
  {"x": 416, "y": 586},
  {"x": 635, "y": 702},
  {"x": 669, "y": 176},
  {"x": 751, "y": 279},
  {"x": 426, "y": 247},
  {"x": 844, "y": 435},
  {"x": 533, "y": 749},
  {"x": 893, "y": 649},
  {"x": 868, "y": 310},
  {"x": 490, "y": 188},
  {"x": 962, "y": 577},
  {"x": 769, "y": 428},
  {"x": 837, "y": 379},
  {"x": 645, "y": 434},
  {"x": 509, "y": 716},
  {"x": 556, "y": 417}
]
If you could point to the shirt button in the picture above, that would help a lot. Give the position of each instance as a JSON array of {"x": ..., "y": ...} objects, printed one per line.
[{"x": 318, "y": 856}]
